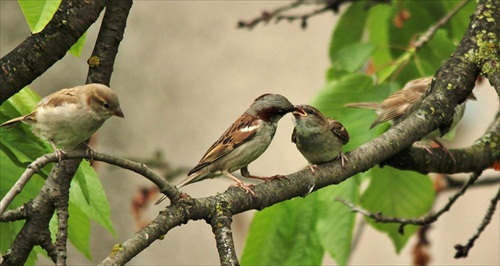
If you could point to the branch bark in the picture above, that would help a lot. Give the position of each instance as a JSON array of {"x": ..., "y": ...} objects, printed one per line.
[{"x": 40, "y": 51}]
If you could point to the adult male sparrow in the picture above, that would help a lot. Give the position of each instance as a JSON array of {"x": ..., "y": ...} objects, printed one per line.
[
  {"x": 243, "y": 142},
  {"x": 397, "y": 104},
  {"x": 318, "y": 138},
  {"x": 70, "y": 116}
]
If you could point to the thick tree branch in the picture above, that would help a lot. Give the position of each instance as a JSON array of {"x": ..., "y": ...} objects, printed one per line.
[
  {"x": 479, "y": 156},
  {"x": 110, "y": 35},
  {"x": 40, "y": 51}
]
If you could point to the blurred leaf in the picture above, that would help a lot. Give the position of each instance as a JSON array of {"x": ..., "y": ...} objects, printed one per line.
[
  {"x": 88, "y": 194},
  {"x": 77, "y": 48},
  {"x": 284, "y": 234},
  {"x": 349, "y": 28},
  {"x": 38, "y": 13},
  {"x": 336, "y": 222},
  {"x": 79, "y": 230},
  {"x": 397, "y": 193},
  {"x": 378, "y": 31},
  {"x": 352, "y": 57}
]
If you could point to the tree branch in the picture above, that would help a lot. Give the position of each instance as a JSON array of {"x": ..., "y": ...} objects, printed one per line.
[
  {"x": 221, "y": 227},
  {"x": 110, "y": 35},
  {"x": 40, "y": 51},
  {"x": 463, "y": 251},
  {"x": 428, "y": 219},
  {"x": 479, "y": 156},
  {"x": 427, "y": 36}
]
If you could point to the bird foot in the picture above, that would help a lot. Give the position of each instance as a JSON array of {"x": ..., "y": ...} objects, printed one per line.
[
  {"x": 247, "y": 188},
  {"x": 343, "y": 159},
  {"x": 266, "y": 179},
  {"x": 440, "y": 145},
  {"x": 312, "y": 167},
  {"x": 59, "y": 154}
]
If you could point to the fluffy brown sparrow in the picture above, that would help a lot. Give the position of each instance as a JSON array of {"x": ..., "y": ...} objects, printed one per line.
[
  {"x": 397, "y": 104},
  {"x": 68, "y": 117},
  {"x": 243, "y": 142},
  {"x": 318, "y": 138}
]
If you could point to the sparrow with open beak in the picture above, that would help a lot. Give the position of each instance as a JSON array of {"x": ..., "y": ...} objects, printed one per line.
[
  {"x": 68, "y": 117},
  {"x": 318, "y": 138},
  {"x": 396, "y": 105},
  {"x": 243, "y": 142}
]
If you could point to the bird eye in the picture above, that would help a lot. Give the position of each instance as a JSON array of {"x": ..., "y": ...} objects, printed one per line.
[
  {"x": 310, "y": 111},
  {"x": 106, "y": 105}
]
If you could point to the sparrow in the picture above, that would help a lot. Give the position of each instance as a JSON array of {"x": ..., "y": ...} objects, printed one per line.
[
  {"x": 396, "y": 105},
  {"x": 243, "y": 142},
  {"x": 70, "y": 116},
  {"x": 318, "y": 138}
]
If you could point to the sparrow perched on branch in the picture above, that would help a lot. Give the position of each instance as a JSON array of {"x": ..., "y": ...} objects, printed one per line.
[
  {"x": 68, "y": 117},
  {"x": 243, "y": 142},
  {"x": 397, "y": 104},
  {"x": 318, "y": 138}
]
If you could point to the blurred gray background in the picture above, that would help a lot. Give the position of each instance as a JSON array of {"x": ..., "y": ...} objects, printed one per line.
[{"x": 184, "y": 73}]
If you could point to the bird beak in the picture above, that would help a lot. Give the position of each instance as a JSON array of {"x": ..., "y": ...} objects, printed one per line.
[
  {"x": 118, "y": 112},
  {"x": 298, "y": 111}
]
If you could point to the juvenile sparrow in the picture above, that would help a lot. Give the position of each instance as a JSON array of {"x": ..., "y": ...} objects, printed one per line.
[
  {"x": 243, "y": 142},
  {"x": 68, "y": 117},
  {"x": 397, "y": 104},
  {"x": 318, "y": 138}
]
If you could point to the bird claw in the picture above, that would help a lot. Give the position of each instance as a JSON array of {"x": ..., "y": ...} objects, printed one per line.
[
  {"x": 312, "y": 167},
  {"x": 440, "y": 145},
  {"x": 59, "y": 154},
  {"x": 343, "y": 159},
  {"x": 90, "y": 153},
  {"x": 274, "y": 177},
  {"x": 247, "y": 188}
]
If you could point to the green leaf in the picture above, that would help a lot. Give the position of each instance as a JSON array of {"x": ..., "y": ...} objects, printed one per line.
[
  {"x": 349, "y": 28},
  {"x": 397, "y": 193},
  {"x": 283, "y": 234},
  {"x": 88, "y": 194},
  {"x": 378, "y": 31},
  {"x": 336, "y": 222},
  {"x": 79, "y": 230},
  {"x": 38, "y": 13},
  {"x": 77, "y": 48},
  {"x": 352, "y": 57}
]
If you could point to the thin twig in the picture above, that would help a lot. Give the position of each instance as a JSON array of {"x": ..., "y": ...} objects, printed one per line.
[
  {"x": 463, "y": 251},
  {"x": 426, "y": 37},
  {"x": 303, "y": 17},
  {"x": 427, "y": 219},
  {"x": 170, "y": 190},
  {"x": 266, "y": 16}
]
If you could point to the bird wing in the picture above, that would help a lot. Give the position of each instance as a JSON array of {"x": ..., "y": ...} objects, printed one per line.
[
  {"x": 338, "y": 129},
  {"x": 241, "y": 131},
  {"x": 66, "y": 96},
  {"x": 54, "y": 99}
]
